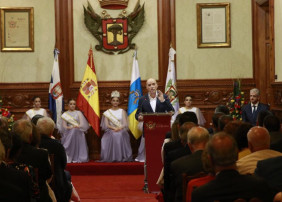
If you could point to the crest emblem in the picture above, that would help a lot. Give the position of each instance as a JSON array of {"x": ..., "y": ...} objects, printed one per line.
[
  {"x": 172, "y": 93},
  {"x": 134, "y": 95},
  {"x": 89, "y": 87},
  {"x": 114, "y": 35},
  {"x": 56, "y": 91},
  {"x": 150, "y": 125}
]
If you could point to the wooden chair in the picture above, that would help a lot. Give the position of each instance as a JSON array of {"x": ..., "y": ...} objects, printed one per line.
[
  {"x": 186, "y": 178},
  {"x": 52, "y": 183}
]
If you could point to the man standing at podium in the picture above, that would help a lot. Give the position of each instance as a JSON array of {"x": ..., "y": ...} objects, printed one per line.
[{"x": 154, "y": 101}]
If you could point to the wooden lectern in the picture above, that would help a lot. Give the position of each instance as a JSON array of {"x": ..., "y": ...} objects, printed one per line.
[{"x": 155, "y": 126}]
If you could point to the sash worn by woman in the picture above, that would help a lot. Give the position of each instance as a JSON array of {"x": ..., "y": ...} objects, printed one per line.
[
  {"x": 73, "y": 138},
  {"x": 115, "y": 143}
]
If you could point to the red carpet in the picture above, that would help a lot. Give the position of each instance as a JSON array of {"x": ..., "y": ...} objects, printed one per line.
[
  {"x": 97, "y": 168},
  {"x": 119, "y": 188},
  {"x": 109, "y": 182}
]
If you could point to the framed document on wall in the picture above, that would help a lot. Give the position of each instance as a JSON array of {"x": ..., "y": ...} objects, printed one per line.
[
  {"x": 213, "y": 25},
  {"x": 17, "y": 29}
]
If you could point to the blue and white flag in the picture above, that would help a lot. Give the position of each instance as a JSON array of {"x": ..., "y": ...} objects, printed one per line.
[
  {"x": 134, "y": 94},
  {"x": 170, "y": 84},
  {"x": 56, "y": 104}
]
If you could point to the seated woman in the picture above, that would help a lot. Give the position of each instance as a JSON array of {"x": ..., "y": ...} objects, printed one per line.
[
  {"x": 189, "y": 107},
  {"x": 73, "y": 137},
  {"x": 36, "y": 109},
  {"x": 115, "y": 143}
]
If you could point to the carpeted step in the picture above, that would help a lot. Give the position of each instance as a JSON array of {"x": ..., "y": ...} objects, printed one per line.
[{"x": 98, "y": 168}]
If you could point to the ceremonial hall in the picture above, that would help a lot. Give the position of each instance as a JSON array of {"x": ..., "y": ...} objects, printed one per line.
[{"x": 114, "y": 75}]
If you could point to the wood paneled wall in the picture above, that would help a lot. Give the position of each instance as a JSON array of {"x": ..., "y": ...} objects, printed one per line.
[{"x": 207, "y": 93}]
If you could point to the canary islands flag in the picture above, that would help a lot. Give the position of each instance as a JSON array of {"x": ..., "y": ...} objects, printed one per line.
[
  {"x": 55, "y": 102},
  {"x": 134, "y": 94},
  {"x": 88, "y": 96}
]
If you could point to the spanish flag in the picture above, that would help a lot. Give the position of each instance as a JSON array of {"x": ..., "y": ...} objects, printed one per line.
[{"x": 88, "y": 96}]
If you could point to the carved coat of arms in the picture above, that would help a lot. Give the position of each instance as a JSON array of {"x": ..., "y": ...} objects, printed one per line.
[{"x": 114, "y": 35}]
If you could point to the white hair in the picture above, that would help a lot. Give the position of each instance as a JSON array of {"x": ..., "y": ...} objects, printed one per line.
[{"x": 255, "y": 90}]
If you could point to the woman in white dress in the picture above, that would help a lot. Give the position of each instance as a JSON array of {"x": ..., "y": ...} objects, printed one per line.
[
  {"x": 36, "y": 109},
  {"x": 189, "y": 107},
  {"x": 73, "y": 137},
  {"x": 115, "y": 143}
]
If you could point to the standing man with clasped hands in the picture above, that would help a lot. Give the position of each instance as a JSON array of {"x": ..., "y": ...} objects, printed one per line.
[
  {"x": 154, "y": 101},
  {"x": 251, "y": 110}
]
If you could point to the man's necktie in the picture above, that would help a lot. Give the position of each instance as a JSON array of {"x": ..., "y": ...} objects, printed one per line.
[{"x": 254, "y": 108}]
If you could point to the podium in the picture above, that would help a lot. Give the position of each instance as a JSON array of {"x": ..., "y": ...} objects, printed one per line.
[{"x": 156, "y": 125}]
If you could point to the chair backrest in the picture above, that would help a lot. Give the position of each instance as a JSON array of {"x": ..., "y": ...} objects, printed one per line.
[
  {"x": 197, "y": 182},
  {"x": 186, "y": 178},
  {"x": 52, "y": 183}
]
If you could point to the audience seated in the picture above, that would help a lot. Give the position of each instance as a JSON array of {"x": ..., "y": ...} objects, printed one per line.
[
  {"x": 271, "y": 170},
  {"x": 189, "y": 164},
  {"x": 223, "y": 120},
  {"x": 197, "y": 182},
  {"x": 273, "y": 125},
  {"x": 63, "y": 188},
  {"x": 215, "y": 118},
  {"x": 222, "y": 108},
  {"x": 38, "y": 158},
  {"x": 259, "y": 142},
  {"x": 228, "y": 184},
  {"x": 179, "y": 152},
  {"x": 261, "y": 116},
  {"x": 15, "y": 185},
  {"x": 13, "y": 145},
  {"x": 170, "y": 146},
  {"x": 277, "y": 146},
  {"x": 238, "y": 130}
]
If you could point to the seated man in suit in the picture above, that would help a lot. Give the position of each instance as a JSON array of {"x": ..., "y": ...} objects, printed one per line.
[
  {"x": 273, "y": 125},
  {"x": 189, "y": 164},
  {"x": 37, "y": 158},
  {"x": 63, "y": 188},
  {"x": 259, "y": 142},
  {"x": 15, "y": 185},
  {"x": 229, "y": 185},
  {"x": 271, "y": 170},
  {"x": 251, "y": 110}
]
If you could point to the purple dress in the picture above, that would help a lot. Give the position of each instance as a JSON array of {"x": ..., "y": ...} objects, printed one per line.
[
  {"x": 73, "y": 139},
  {"x": 115, "y": 146}
]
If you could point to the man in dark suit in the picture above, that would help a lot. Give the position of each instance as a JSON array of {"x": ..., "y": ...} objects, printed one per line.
[
  {"x": 37, "y": 158},
  {"x": 154, "y": 101},
  {"x": 271, "y": 170},
  {"x": 190, "y": 164},
  {"x": 63, "y": 187},
  {"x": 251, "y": 110},
  {"x": 229, "y": 185}
]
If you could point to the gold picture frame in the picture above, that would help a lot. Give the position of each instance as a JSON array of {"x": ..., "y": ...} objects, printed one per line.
[
  {"x": 17, "y": 29},
  {"x": 213, "y": 25}
]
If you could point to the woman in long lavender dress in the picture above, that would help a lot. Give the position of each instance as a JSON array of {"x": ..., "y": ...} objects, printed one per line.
[
  {"x": 115, "y": 143},
  {"x": 73, "y": 138}
]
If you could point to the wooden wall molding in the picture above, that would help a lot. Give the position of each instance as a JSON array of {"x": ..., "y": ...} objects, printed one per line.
[{"x": 207, "y": 93}]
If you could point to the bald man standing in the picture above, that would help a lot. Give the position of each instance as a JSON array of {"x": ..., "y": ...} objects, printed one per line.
[
  {"x": 259, "y": 142},
  {"x": 154, "y": 101}
]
